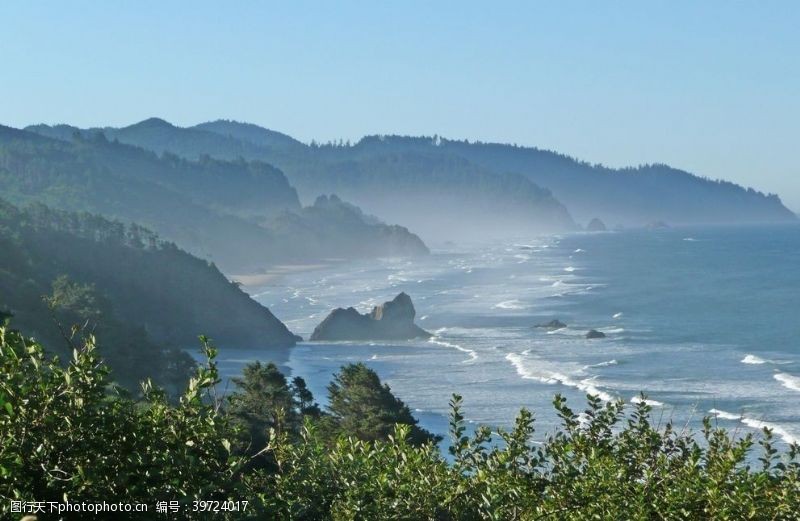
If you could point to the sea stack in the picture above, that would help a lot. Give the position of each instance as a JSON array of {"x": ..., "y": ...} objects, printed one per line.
[
  {"x": 393, "y": 320},
  {"x": 596, "y": 225},
  {"x": 552, "y": 325},
  {"x": 593, "y": 333}
]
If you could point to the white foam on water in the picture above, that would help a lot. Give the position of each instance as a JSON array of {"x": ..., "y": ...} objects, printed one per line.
[
  {"x": 579, "y": 250},
  {"x": 753, "y": 359},
  {"x": 690, "y": 239},
  {"x": 651, "y": 403},
  {"x": 473, "y": 356},
  {"x": 613, "y": 330},
  {"x": 570, "y": 269},
  {"x": 776, "y": 429},
  {"x": 373, "y": 357},
  {"x": 725, "y": 415},
  {"x": 510, "y": 304},
  {"x": 617, "y": 315},
  {"x": 586, "y": 385},
  {"x": 788, "y": 381},
  {"x": 785, "y": 435},
  {"x": 601, "y": 364}
]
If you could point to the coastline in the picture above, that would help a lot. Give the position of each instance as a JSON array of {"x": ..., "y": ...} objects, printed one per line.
[{"x": 271, "y": 274}]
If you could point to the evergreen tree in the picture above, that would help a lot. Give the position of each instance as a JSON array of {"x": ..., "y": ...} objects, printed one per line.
[{"x": 364, "y": 407}]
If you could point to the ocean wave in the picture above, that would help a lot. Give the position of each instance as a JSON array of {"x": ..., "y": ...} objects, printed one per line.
[
  {"x": 601, "y": 364},
  {"x": 690, "y": 239},
  {"x": 753, "y": 359},
  {"x": 557, "y": 283},
  {"x": 725, "y": 415},
  {"x": 579, "y": 250},
  {"x": 776, "y": 429},
  {"x": 788, "y": 381},
  {"x": 586, "y": 385},
  {"x": 510, "y": 304},
  {"x": 785, "y": 435},
  {"x": 612, "y": 330},
  {"x": 570, "y": 269},
  {"x": 652, "y": 403},
  {"x": 617, "y": 315},
  {"x": 473, "y": 356}
]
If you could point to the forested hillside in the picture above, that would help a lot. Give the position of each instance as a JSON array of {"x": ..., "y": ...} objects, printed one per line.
[
  {"x": 446, "y": 196},
  {"x": 144, "y": 297},
  {"x": 464, "y": 186},
  {"x": 628, "y": 196},
  {"x": 218, "y": 210}
]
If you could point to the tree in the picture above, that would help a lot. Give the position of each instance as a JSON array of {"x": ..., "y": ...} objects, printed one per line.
[
  {"x": 263, "y": 401},
  {"x": 363, "y": 407},
  {"x": 304, "y": 399}
]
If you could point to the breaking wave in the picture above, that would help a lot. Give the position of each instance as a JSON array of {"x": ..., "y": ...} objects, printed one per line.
[
  {"x": 473, "y": 356},
  {"x": 788, "y": 381},
  {"x": 586, "y": 385}
]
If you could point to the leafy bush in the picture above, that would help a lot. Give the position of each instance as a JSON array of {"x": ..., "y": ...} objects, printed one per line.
[{"x": 65, "y": 433}]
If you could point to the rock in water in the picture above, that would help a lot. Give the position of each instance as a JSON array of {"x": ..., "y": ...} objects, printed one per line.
[
  {"x": 553, "y": 324},
  {"x": 596, "y": 225},
  {"x": 393, "y": 320},
  {"x": 593, "y": 333}
]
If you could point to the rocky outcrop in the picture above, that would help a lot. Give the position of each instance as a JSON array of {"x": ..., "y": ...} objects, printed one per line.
[
  {"x": 393, "y": 320},
  {"x": 596, "y": 225},
  {"x": 657, "y": 225},
  {"x": 552, "y": 325},
  {"x": 593, "y": 333}
]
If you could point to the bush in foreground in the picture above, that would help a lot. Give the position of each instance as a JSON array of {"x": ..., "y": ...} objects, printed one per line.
[{"x": 66, "y": 434}]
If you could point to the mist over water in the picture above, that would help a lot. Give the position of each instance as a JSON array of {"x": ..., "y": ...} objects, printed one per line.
[{"x": 703, "y": 320}]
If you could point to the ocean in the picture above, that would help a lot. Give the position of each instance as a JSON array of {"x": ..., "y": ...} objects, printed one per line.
[{"x": 704, "y": 321}]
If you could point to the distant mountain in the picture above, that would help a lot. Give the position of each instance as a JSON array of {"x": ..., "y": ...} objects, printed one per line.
[
  {"x": 145, "y": 298},
  {"x": 629, "y": 196},
  {"x": 232, "y": 212},
  {"x": 442, "y": 197},
  {"x": 251, "y": 133},
  {"x": 331, "y": 226},
  {"x": 445, "y": 188},
  {"x": 387, "y": 175}
]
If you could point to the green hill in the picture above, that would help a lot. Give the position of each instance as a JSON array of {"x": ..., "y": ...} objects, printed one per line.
[
  {"x": 124, "y": 283},
  {"x": 219, "y": 210}
]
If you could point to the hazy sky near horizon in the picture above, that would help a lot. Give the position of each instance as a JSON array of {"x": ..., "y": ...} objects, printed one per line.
[{"x": 711, "y": 87}]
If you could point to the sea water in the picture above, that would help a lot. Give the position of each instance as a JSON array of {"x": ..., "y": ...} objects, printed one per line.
[{"x": 704, "y": 321}]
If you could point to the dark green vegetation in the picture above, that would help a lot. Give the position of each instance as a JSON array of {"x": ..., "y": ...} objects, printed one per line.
[
  {"x": 66, "y": 435},
  {"x": 142, "y": 296},
  {"x": 243, "y": 215},
  {"x": 441, "y": 196},
  {"x": 392, "y": 176}
]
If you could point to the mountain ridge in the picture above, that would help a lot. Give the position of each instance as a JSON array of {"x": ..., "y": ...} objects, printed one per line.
[{"x": 629, "y": 196}]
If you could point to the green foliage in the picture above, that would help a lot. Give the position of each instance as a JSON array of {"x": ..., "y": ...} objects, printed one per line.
[
  {"x": 363, "y": 407},
  {"x": 244, "y": 215},
  {"x": 264, "y": 401},
  {"x": 605, "y": 464},
  {"x": 142, "y": 296},
  {"x": 66, "y": 433},
  {"x": 67, "y": 436}
]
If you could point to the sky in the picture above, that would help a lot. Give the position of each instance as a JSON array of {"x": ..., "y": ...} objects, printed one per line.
[{"x": 712, "y": 87}]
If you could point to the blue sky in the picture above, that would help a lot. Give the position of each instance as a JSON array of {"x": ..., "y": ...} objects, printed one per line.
[{"x": 712, "y": 87}]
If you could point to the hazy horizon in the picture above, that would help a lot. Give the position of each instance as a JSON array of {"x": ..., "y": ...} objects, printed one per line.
[{"x": 702, "y": 88}]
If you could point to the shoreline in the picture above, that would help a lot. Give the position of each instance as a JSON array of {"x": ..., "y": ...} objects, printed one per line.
[{"x": 257, "y": 280}]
